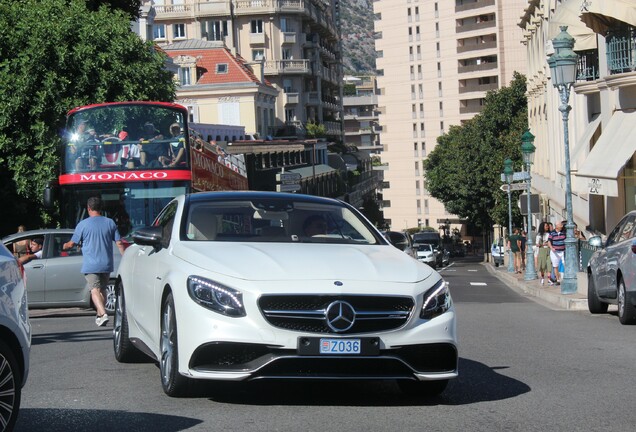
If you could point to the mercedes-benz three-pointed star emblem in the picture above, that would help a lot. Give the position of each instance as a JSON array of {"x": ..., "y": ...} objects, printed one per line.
[{"x": 340, "y": 316}]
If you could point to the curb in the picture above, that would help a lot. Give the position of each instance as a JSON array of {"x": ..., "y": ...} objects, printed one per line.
[{"x": 548, "y": 294}]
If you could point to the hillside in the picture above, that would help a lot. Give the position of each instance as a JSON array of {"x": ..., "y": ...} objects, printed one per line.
[{"x": 357, "y": 37}]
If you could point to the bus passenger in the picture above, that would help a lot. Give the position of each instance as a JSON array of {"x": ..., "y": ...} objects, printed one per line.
[
  {"x": 150, "y": 153},
  {"x": 86, "y": 147},
  {"x": 130, "y": 155},
  {"x": 176, "y": 151}
]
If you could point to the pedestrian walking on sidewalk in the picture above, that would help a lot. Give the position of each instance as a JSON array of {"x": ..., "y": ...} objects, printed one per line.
[
  {"x": 96, "y": 235},
  {"x": 542, "y": 251},
  {"x": 514, "y": 245},
  {"x": 557, "y": 249}
]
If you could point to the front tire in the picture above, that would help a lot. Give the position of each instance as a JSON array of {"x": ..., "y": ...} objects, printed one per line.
[
  {"x": 427, "y": 389},
  {"x": 626, "y": 312},
  {"x": 174, "y": 384},
  {"x": 593, "y": 303},
  {"x": 10, "y": 388},
  {"x": 125, "y": 351}
]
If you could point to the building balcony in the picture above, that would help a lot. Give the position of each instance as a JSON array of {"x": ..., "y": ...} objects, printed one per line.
[
  {"x": 313, "y": 98},
  {"x": 477, "y": 67},
  {"x": 587, "y": 66},
  {"x": 476, "y": 47},
  {"x": 191, "y": 10},
  {"x": 470, "y": 109},
  {"x": 476, "y": 26},
  {"x": 621, "y": 50},
  {"x": 474, "y": 5},
  {"x": 292, "y": 98},
  {"x": 289, "y": 38},
  {"x": 256, "y": 7},
  {"x": 284, "y": 67},
  {"x": 478, "y": 88},
  {"x": 333, "y": 128},
  {"x": 257, "y": 38}
]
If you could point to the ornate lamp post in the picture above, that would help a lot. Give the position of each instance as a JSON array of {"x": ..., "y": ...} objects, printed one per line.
[
  {"x": 527, "y": 151},
  {"x": 563, "y": 71},
  {"x": 508, "y": 175}
]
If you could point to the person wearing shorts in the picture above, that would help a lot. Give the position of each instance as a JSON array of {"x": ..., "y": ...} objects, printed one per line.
[
  {"x": 96, "y": 235},
  {"x": 556, "y": 240}
]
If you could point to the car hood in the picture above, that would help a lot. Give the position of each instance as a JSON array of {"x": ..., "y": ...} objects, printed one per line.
[{"x": 284, "y": 261}]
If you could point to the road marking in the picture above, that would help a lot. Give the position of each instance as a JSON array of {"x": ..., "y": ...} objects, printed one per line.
[
  {"x": 478, "y": 284},
  {"x": 472, "y": 270},
  {"x": 447, "y": 268}
]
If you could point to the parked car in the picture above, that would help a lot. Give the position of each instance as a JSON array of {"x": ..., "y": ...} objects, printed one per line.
[
  {"x": 246, "y": 294},
  {"x": 15, "y": 338},
  {"x": 497, "y": 251},
  {"x": 402, "y": 241},
  {"x": 426, "y": 254},
  {"x": 55, "y": 280},
  {"x": 611, "y": 271}
]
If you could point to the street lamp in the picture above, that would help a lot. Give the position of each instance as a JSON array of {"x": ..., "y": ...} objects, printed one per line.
[
  {"x": 508, "y": 175},
  {"x": 527, "y": 151},
  {"x": 563, "y": 71}
]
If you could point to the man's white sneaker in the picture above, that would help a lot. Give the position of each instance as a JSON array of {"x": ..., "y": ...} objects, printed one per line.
[
  {"x": 101, "y": 320},
  {"x": 541, "y": 281}
]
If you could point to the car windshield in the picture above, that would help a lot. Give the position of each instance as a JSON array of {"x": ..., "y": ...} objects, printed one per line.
[
  {"x": 425, "y": 248},
  {"x": 277, "y": 221}
]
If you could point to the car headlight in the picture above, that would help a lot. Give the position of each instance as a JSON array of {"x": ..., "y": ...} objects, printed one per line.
[
  {"x": 217, "y": 297},
  {"x": 437, "y": 300}
]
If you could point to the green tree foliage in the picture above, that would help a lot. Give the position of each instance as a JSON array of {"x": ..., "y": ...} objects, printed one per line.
[
  {"x": 130, "y": 7},
  {"x": 315, "y": 130},
  {"x": 56, "y": 55},
  {"x": 464, "y": 170}
]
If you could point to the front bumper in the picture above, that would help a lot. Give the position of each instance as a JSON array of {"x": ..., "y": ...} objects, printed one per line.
[{"x": 251, "y": 361}]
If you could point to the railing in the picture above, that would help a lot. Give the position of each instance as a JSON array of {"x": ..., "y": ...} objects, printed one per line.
[
  {"x": 477, "y": 46},
  {"x": 476, "y": 67},
  {"x": 273, "y": 67},
  {"x": 476, "y": 26},
  {"x": 474, "y": 5},
  {"x": 478, "y": 87},
  {"x": 621, "y": 50},
  {"x": 587, "y": 66}
]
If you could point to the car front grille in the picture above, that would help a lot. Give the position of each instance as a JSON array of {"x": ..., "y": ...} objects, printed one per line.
[{"x": 308, "y": 313}]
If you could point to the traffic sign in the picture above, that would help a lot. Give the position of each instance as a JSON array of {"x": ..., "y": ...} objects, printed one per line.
[
  {"x": 514, "y": 187},
  {"x": 517, "y": 176},
  {"x": 288, "y": 177},
  {"x": 288, "y": 187}
]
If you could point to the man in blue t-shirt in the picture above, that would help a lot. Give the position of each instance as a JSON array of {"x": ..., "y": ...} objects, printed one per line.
[{"x": 96, "y": 235}]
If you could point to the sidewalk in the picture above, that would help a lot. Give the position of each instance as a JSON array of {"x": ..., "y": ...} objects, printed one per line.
[{"x": 550, "y": 294}]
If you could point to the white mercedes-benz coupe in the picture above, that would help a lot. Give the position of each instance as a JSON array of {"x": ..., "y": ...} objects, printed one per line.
[{"x": 240, "y": 286}]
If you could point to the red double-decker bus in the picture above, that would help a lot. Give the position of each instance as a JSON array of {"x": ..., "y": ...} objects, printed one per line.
[{"x": 136, "y": 156}]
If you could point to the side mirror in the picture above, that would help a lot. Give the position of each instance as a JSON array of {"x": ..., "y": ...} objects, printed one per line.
[
  {"x": 148, "y": 236},
  {"x": 595, "y": 241}
]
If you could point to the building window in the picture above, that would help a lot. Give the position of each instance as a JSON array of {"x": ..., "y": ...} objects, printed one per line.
[
  {"x": 179, "y": 31},
  {"x": 184, "y": 76},
  {"x": 158, "y": 31},
  {"x": 214, "y": 30},
  {"x": 256, "y": 26},
  {"x": 287, "y": 54},
  {"x": 258, "y": 54},
  {"x": 221, "y": 68}
]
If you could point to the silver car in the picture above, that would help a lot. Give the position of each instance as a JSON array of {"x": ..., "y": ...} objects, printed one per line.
[
  {"x": 611, "y": 272},
  {"x": 56, "y": 279},
  {"x": 15, "y": 339},
  {"x": 426, "y": 254}
]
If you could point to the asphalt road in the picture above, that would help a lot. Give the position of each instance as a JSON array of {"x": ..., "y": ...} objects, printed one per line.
[{"x": 523, "y": 367}]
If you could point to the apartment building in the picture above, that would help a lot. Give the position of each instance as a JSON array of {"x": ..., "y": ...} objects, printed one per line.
[
  {"x": 601, "y": 131},
  {"x": 361, "y": 127},
  {"x": 436, "y": 62},
  {"x": 295, "y": 43}
]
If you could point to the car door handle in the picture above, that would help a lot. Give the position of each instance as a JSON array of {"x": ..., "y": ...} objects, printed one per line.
[{"x": 38, "y": 266}]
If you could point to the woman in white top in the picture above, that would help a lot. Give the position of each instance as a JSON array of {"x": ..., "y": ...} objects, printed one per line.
[{"x": 542, "y": 250}]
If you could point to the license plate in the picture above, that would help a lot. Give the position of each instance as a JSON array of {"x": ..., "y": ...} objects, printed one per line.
[
  {"x": 318, "y": 346},
  {"x": 340, "y": 346}
]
